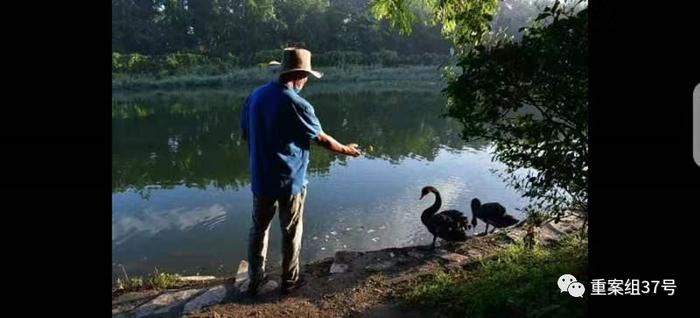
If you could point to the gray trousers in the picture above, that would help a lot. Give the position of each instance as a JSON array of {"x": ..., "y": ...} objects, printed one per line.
[{"x": 291, "y": 212}]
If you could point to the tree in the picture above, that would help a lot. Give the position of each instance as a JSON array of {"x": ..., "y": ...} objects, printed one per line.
[
  {"x": 202, "y": 14},
  {"x": 133, "y": 25},
  {"x": 175, "y": 27},
  {"x": 243, "y": 27},
  {"x": 463, "y": 21},
  {"x": 529, "y": 97}
]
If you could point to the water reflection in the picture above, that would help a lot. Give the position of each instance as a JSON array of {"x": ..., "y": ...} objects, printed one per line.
[
  {"x": 181, "y": 200},
  {"x": 194, "y": 140}
]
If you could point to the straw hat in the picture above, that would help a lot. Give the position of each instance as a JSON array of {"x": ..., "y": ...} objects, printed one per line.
[{"x": 296, "y": 59}]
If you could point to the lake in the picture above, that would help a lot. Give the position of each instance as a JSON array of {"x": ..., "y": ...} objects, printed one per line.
[{"x": 181, "y": 199}]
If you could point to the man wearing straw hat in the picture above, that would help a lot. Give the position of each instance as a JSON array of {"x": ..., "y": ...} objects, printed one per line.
[{"x": 279, "y": 126}]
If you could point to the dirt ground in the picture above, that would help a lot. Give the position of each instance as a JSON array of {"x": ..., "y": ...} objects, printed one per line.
[{"x": 368, "y": 284}]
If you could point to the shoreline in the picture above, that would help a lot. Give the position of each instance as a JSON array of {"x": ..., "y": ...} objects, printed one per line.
[
  {"x": 350, "y": 282},
  {"x": 372, "y": 77}
]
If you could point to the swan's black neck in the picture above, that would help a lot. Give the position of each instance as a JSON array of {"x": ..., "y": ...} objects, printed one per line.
[
  {"x": 432, "y": 209},
  {"x": 476, "y": 205}
]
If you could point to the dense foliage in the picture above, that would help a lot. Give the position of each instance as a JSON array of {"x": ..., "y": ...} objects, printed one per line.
[
  {"x": 529, "y": 96},
  {"x": 243, "y": 28}
]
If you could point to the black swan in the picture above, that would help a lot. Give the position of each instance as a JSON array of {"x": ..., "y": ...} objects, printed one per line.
[
  {"x": 492, "y": 214},
  {"x": 449, "y": 225}
]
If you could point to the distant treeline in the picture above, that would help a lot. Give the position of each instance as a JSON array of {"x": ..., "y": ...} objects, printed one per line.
[
  {"x": 221, "y": 27},
  {"x": 207, "y": 37},
  {"x": 191, "y": 63}
]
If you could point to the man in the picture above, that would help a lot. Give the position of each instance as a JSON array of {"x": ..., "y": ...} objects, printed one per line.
[{"x": 279, "y": 126}]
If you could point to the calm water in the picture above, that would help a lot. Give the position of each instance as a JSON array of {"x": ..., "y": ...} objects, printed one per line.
[{"x": 181, "y": 197}]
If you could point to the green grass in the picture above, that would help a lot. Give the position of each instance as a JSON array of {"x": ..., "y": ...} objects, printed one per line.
[
  {"x": 248, "y": 78},
  {"x": 163, "y": 280},
  {"x": 519, "y": 282},
  {"x": 132, "y": 283},
  {"x": 157, "y": 281}
]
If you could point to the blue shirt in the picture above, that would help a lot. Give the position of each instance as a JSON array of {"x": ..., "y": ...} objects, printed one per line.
[{"x": 280, "y": 125}]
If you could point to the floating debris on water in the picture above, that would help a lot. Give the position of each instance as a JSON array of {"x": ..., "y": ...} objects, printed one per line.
[
  {"x": 327, "y": 236},
  {"x": 334, "y": 233},
  {"x": 382, "y": 227},
  {"x": 375, "y": 239},
  {"x": 315, "y": 238},
  {"x": 348, "y": 229},
  {"x": 323, "y": 248},
  {"x": 370, "y": 231}
]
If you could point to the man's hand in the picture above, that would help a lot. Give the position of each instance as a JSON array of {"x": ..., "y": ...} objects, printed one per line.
[
  {"x": 328, "y": 142},
  {"x": 351, "y": 150}
]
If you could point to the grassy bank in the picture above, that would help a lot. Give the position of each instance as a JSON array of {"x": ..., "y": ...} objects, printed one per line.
[
  {"x": 251, "y": 77},
  {"x": 518, "y": 282}
]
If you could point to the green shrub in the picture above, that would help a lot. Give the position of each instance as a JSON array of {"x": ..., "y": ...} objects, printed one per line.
[{"x": 385, "y": 58}]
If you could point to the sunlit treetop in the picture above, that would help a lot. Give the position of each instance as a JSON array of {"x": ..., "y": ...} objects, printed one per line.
[{"x": 461, "y": 20}]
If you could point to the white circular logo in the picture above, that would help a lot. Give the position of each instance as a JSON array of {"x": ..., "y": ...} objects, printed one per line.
[
  {"x": 564, "y": 282},
  {"x": 576, "y": 289}
]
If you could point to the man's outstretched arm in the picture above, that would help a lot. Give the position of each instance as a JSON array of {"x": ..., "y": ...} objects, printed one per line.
[{"x": 326, "y": 141}]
